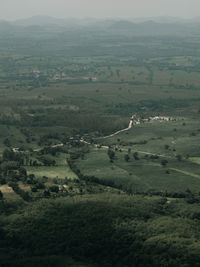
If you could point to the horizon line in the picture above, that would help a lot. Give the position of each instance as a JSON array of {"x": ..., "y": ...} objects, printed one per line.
[{"x": 101, "y": 18}]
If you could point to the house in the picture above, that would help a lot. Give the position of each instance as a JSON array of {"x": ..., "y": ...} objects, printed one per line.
[
  {"x": 15, "y": 149},
  {"x": 165, "y": 118}
]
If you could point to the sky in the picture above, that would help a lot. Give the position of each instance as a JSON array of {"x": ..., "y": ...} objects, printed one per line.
[{"x": 16, "y": 9}]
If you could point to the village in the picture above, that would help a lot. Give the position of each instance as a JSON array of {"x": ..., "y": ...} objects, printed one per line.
[{"x": 136, "y": 120}]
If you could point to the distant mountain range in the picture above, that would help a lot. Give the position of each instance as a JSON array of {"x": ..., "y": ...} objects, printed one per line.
[
  {"x": 154, "y": 28},
  {"x": 38, "y": 20},
  {"x": 139, "y": 26},
  {"x": 170, "y": 20},
  {"x": 47, "y": 20}
]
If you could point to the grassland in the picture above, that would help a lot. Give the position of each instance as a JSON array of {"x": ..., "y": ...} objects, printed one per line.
[
  {"x": 171, "y": 141},
  {"x": 57, "y": 172}
]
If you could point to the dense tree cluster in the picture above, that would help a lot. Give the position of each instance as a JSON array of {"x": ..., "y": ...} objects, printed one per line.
[{"x": 124, "y": 231}]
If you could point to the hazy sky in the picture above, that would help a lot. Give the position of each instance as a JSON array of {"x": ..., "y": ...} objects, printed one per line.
[{"x": 12, "y": 9}]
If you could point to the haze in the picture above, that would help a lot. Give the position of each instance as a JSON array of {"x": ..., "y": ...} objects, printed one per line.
[{"x": 15, "y": 9}]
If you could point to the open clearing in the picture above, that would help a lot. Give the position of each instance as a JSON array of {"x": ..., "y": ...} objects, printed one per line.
[{"x": 52, "y": 172}]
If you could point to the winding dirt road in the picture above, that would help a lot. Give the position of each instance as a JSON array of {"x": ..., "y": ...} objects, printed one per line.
[{"x": 120, "y": 131}]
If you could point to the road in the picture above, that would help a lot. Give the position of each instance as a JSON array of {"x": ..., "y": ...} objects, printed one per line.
[
  {"x": 120, "y": 131},
  {"x": 130, "y": 125}
]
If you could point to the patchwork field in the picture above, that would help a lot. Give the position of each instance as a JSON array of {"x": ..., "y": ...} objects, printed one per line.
[{"x": 167, "y": 157}]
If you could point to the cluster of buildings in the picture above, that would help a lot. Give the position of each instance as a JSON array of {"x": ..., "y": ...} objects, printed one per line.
[{"x": 137, "y": 120}]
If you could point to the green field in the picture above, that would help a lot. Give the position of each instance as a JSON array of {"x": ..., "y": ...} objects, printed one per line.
[
  {"x": 148, "y": 173},
  {"x": 59, "y": 172}
]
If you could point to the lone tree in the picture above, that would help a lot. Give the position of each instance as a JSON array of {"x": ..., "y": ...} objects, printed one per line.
[
  {"x": 166, "y": 147},
  {"x": 164, "y": 162},
  {"x": 111, "y": 154},
  {"x": 7, "y": 142},
  {"x": 126, "y": 157},
  {"x": 179, "y": 157},
  {"x": 136, "y": 155}
]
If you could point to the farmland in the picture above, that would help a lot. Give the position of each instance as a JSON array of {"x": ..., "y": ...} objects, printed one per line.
[{"x": 75, "y": 178}]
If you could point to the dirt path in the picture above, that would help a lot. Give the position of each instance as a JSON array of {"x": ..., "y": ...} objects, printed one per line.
[
  {"x": 53, "y": 146},
  {"x": 186, "y": 173},
  {"x": 120, "y": 131},
  {"x": 130, "y": 125},
  {"x": 88, "y": 143},
  {"x": 153, "y": 154}
]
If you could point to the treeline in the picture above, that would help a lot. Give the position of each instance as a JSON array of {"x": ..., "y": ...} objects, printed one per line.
[
  {"x": 84, "y": 122},
  {"x": 103, "y": 230}
]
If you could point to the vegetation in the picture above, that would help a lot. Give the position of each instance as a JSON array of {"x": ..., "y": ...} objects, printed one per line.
[
  {"x": 109, "y": 229},
  {"x": 79, "y": 188}
]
